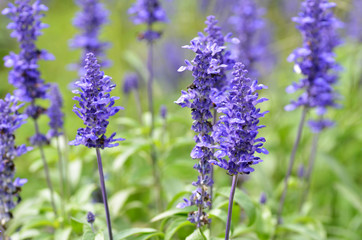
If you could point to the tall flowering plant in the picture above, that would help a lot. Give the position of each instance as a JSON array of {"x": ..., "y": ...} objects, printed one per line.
[
  {"x": 150, "y": 12},
  {"x": 26, "y": 26},
  {"x": 89, "y": 21},
  {"x": 10, "y": 120},
  {"x": 235, "y": 134},
  {"x": 208, "y": 69},
  {"x": 315, "y": 60},
  {"x": 95, "y": 107}
]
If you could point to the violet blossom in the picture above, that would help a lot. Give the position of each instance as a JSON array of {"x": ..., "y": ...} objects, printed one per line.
[
  {"x": 89, "y": 21},
  {"x": 95, "y": 106},
  {"x": 316, "y": 61},
  {"x": 10, "y": 120},
  {"x": 208, "y": 69}
]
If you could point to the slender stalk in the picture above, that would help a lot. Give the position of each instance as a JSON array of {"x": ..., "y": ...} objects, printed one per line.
[
  {"x": 150, "y": 83},
  {"x": 212, "y": 166},
  {"x": 65, "y": 158},
  {"x": 46, "y": 170},
  {"x": 104, "y": 193},
  {"x": 156, "y": 178},
  {"x": 291, "y": 163},
  {"x": 311, "y": 162},
  {"x": 230, "y": 208},
  {"x": 201, "y": 205},
  {"x": 61, "y": 176},
  {"x": 151, "y": 110},
  {"x": 138, "y": 104}
]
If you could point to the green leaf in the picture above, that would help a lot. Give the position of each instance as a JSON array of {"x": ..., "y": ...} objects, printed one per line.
[
  {"x": 89, "y": 235},
  {"x": 171, "y": 213},
  {"x": 176, "y": 198},
  {"x": 218, "y": 213},
  {"x": 118, "y": 199},
  {"x": 129, "y": 232},
  {"x": 350, "y": 196},
  {"x": 77, "y": 225},
  {"x": 63, "y": 234},
  {"x": 242, "y": 200},
  {"x": 302, "y": 230},
  {"x": 148, "y": 236},
  {"x": 84, "y": 194},
  {"x": 175, "y": 226},
  {"x": 196, "y": 235},
  {"x": 75, "y": 168}
]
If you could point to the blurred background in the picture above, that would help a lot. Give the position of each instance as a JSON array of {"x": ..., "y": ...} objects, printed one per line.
[{"x": 334, "y": 206}]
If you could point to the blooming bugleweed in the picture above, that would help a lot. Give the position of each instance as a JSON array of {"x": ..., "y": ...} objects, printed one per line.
[
  {"x": 236, "y": 131},
  {"x": 95, "y": 106},
  {"x": 89, "y": 21},
  {"x": 10, "y": 120},
  {"x": 315, "y": 60},
  {"x": 250, "y": 29},
  {"x": 208, "y": 72},
  {"x": 55, "y": 112},
  {"x": 26, "y": 27},
  {"x": 148, "y": 12}
]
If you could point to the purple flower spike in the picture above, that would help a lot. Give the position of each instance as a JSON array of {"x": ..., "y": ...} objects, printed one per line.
[
  {"x": 208, "y": 69},
  {"x": 236, "y": 131},
  {"x": 89, "y": 21},
  {"x": 55, "y": 112},
  {"x": 91, "y": 217},
  {"x": 95, "y": 107},
  {"x": 10, "y": 120},
  {"x": 316, "y": 60},
  {"x": 26, "y": 26},
  {"x": 148, "y": 12},
  {"x": 252, "y": 31}
]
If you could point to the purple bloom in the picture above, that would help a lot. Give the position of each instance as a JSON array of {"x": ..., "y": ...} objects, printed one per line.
[
  {"x": 26, "y": 26},
  {"x": 236, "y": 131},
  {"x": 10, "y": 120},
  {"x": 301, "y": 171},
  {"x": 130, "y": 83},
  {"x": 55, "y": 112},
  {"x": 163, "y": 112},
  {"x": 148, "y": 12},
  {"x": 90, "y": 21},
  {"x": 315, "y": 60},
  {"x": 263, "y": 198},
  {"x": 95, "y": 106},
  {"x": 208, "y": 69},
  {"x": 252, "y": 31},
  {"x": 91, "y": 217}
]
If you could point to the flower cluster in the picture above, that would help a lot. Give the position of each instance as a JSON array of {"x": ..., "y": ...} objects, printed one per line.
[
  {"x": 252, "y": 32},
  {"x": 89, "y": 21},
  {"x": 95, "y": 106},
  {"x": 148, "y": 12},
  {"x": 208, "y": 72},
  {"x": 26, "y": 27},
  {"x": 236, "y": 131},
  {"x": 10, "y": 120},
  {"x": 316, "y": 60},
  {"x": 55, "y": 112}
]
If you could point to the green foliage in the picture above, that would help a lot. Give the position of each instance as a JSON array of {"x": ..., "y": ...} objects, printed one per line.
[{"x": 333, "y": 209}]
